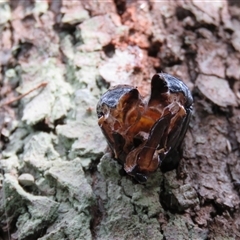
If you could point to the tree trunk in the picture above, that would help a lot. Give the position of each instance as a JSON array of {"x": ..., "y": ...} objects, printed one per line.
[{"x": 57, "y": 58}]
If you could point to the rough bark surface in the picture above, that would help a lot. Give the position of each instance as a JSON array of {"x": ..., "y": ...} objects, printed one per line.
[{"x": 57, "y": 181}]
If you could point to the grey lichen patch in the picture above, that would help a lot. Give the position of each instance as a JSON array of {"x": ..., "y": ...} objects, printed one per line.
[
  {"x": 147, "y": 201},
  {"x": 36, "y": 212},
  {"x": 87, "y": 59},
  {"x": 87, "y": 138},
  {"x": 73, "y": 13},
  {"x": 44, "y": 187},
  {"x": 16, "y": 142},
  {"x": 66, "y": 46},
  {"x": 129, "y": 209},
  {"x": 86, "y": 70},
  {"x": 39, "y": 151},
  {"x": 69, "y": 178},
  {"x": 85, "y": 106},
  {"x": 53, "y": 101},
  {"x": 5, "y": 12},
  {"x": 40, "y": 7},
  {"x": 122, "y": 223},
  {"x": 86, "y": 77},
  {"x": 70, "y": 130},
  {"x": 69, "y": 50},
  {"x": 90, "y": 143},
  {"x": 39, "y": 107},
  {"x": 10, "y": 165},
  {"x": 12, "y": 76},
  {"x": 69, "y": 223},
  {"x": 109, "y": 168},
  {"x": 145, "y": 198}
]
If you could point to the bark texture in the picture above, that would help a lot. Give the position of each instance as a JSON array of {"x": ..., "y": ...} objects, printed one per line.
[{"x": 57, "y": 181}]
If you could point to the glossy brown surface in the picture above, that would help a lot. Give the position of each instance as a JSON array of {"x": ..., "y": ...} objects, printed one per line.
[{"x": 141, "y": 132}]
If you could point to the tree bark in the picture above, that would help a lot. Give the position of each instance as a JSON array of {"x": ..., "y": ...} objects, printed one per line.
[{"x": 57, "y": 179}]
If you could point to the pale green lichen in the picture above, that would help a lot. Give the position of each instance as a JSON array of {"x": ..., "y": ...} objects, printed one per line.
[
  {"x": 16, "y": 142},
  {"x": 5, "y": 12},
  {"x": 36, "y": 212},
  {"x": 81, "y": 135},
  {"x": 10, "y": 164},
  {"x": 39, "y": 151},
  {"x": 131, "y": 208},
  {"x": 75, "y": 16},
  {"x": 69, "y": 223},
  {"x": 53, "y": 101},
  {"x": 70, "y": 178},
  {"x": 40, "y": 7}
]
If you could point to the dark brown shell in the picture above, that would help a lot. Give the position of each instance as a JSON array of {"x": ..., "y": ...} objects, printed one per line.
[{"x": 143, "y": 132}]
